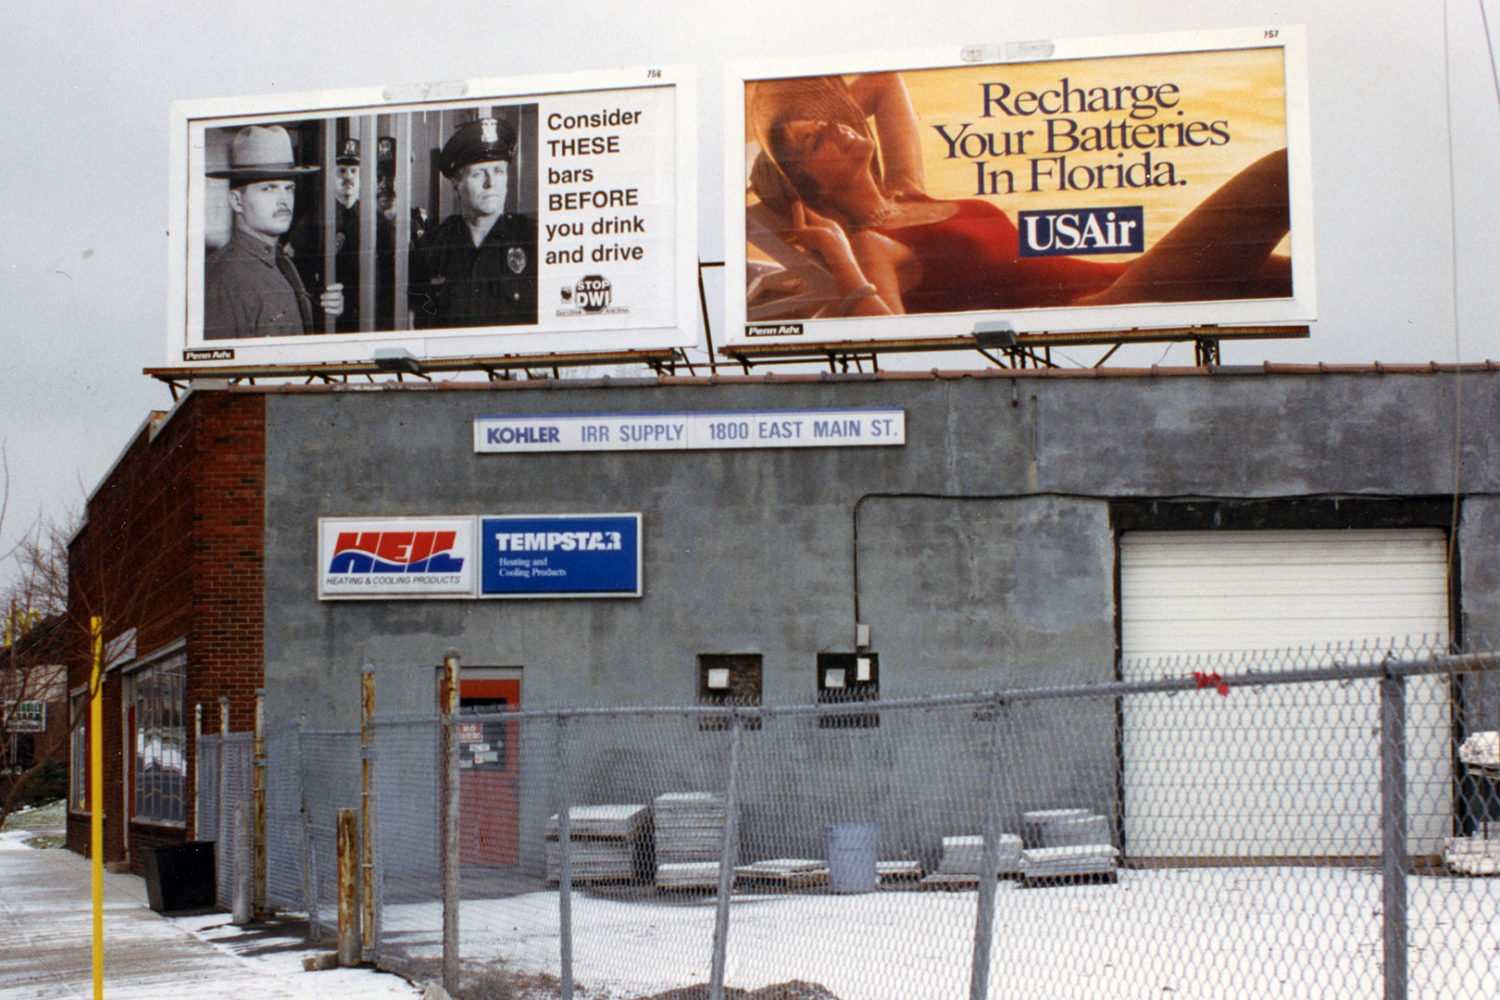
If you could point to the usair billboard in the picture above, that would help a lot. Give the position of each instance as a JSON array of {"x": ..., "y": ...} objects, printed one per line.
[
  {"x": 475, "y": 219},
  {"x": 1099, "y": 184}
]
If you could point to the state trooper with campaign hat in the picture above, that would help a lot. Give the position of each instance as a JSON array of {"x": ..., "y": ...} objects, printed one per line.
[
  {"x": 250, "y": 288},
  {"x": 478, "y": 267}
]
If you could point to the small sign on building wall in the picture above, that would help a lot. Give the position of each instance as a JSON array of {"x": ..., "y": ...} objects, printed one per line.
[{"x": 26, "y": 717}]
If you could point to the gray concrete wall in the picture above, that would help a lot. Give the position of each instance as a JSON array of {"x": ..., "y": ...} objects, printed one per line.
[{"x": 981, "y": 553}]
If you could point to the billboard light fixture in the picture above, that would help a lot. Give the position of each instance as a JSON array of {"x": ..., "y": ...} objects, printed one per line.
[
  {"x": 422, "y": 93},
  {"x": 1005, "y": 52},
  {"x": 397, "y": 359},
  {"x": 994, "y": 333}
]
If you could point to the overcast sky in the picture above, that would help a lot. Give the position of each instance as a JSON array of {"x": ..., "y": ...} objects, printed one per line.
[{"x": 84, "y": 185}]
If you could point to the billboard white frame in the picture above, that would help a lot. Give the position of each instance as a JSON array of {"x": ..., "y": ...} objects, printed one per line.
[
  {"x": 870, "y": 331},
  {"x": 654, "y": 303}
]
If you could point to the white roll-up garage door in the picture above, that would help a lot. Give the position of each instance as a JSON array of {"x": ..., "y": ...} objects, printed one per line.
[{"x": 1283, "y": 771}]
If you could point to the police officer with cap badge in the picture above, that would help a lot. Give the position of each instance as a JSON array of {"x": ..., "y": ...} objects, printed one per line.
[
  {"x": 347, "y": 247},
  {"x": 346, "y": 229},
  {"x": 250, "y": 288},
  {"x": 477, "y": 268}
]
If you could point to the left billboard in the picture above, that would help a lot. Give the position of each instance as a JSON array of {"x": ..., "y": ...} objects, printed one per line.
[{"x": 476, "y": 219}]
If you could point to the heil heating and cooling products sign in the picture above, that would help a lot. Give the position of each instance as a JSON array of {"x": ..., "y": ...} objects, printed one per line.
[
  {"x": 396, "y": 557},
  {"x": 536, "y": 556}
]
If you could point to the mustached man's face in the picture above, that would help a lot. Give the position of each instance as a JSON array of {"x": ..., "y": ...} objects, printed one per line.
[
  {"x": 346, "y": 181},
  {"x": 264, "y": 207}
]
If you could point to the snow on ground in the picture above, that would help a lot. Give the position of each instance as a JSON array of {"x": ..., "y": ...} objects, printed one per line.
[
  {"x": 1288, "y": 932},
  {"x": 277, "y": 952},
  {"x": 46, "y": 938}
]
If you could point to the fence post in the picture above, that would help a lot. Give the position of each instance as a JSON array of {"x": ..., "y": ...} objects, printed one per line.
[
  {"x": 366, "y": 826},
  {"x": 564, "y": 862},
  {"x": 989, "y": 865},
  {"x": 348, "y": 851},
  {"x": 450, "y": 820},
  {"x": 258, "y": 900},
  {"x": 1393, "y": 857},
  {"x": 197, "y": 771},
  {"x": 225, "y": 832},
  {"x": 309, "y": 853},
  {"x": 728, "y": 855},
  {"x": 242, "y": 890}
]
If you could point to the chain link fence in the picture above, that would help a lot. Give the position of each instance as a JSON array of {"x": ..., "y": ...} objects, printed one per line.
[
  {"x": 330, "y": 782},
  {"x": 226, "y": 775},
  {"x": 1292, "y": 826}
]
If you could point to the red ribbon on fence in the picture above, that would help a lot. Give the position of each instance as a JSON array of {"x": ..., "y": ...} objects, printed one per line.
[{"x": 1211, "y": 680}]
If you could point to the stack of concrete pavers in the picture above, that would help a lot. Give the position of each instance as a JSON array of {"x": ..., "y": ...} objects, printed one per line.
[
  {"x": 689, "y": 832},
  {"x": 684, "y": 875},
  {"x": 783, "y": 873},
  {"x": 963, "y": 856},
  {"x": 1066, "y": 845},
  {"x": 1480, "y": 753},
  {"x": 689, "y": 826},
  {"x": 1472, "y": 855},
  {"x": 607, "y": 843},
  {"x": 1035, "y": 824}
]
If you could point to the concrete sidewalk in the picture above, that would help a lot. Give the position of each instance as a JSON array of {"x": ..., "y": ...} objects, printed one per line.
[{"x": 46, "y": 928}]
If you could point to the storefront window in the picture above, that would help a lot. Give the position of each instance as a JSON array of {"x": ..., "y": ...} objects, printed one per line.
[
  {"x": 78, "y": 763},
  {"x": 161, "y": 740}
]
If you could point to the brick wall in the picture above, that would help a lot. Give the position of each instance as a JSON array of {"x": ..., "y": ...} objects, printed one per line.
[{"x": 172, "y": 547}]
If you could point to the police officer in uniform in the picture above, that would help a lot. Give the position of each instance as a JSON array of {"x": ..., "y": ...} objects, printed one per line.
[
  {"x": 478, "y": 268},
  {"x": 346, "y": 230}
]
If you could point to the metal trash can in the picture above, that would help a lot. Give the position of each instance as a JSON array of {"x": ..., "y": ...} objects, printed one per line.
[
  {"x": 851, "y": 856},
  {"x": 180, "y": 877}
]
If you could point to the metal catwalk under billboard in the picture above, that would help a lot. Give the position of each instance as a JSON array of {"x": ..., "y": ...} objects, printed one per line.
[
  {"x": 469, "y": 220},
  {"x": 1089, "y": 185}
]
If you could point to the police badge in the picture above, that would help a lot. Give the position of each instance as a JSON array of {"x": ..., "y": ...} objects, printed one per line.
[{"x": 515, "y": 259}]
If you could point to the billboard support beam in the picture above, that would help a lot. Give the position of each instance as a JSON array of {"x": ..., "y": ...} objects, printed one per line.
[
  {"x": 179, "y": 380},
  {"x": 1029, "y": 349}
]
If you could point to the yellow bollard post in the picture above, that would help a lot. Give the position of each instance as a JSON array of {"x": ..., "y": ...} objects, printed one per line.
[{"x": 96, "y": 794}]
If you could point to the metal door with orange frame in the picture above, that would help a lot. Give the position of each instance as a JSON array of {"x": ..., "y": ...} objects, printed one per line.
[{"x": 489, "y": 770}]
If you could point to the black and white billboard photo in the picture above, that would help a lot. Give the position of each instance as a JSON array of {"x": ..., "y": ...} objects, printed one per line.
[{"x": 478, "y": 219}]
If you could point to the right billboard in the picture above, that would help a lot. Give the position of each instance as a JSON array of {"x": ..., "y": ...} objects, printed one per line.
[{"x": 1057, "y": 186}]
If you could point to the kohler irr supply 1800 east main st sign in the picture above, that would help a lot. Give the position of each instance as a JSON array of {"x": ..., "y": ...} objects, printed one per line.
[{"x": 858, "y": 427}]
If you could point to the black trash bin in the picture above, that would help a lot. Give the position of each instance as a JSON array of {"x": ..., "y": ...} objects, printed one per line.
[{"x": 180, "y": 876}]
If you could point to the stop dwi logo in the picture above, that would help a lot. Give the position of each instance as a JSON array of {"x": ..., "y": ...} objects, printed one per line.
[{"x": 592, "y": 293}]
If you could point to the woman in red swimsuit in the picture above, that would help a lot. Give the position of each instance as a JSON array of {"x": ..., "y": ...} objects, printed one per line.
[{"x": 863, "y": 209}]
